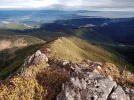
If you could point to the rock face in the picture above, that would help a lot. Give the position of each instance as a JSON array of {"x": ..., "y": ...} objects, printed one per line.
[
  {"x": 118, "y": 94},
  {"x": 90, "y": 84},
  {"x": 39, "y": 78},
  {"x": 36, "y": 58}
]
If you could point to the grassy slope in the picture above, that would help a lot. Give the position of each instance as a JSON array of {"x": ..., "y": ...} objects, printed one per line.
[
  {"x": 16, "y": 26},
  {"x": 72, "y": 48},
  {"x": 5, "y": 35},
  {"x": 76, "y": 50},
  {"x": 9, "y": 62},
  {"x": 126, "y": 50},
  {"x": 47, "y": 84},
  {"x": 69, "y": 48},
  {"x": 91, "y": 35},
  {"x": 47, "y": 35},
  {"x": 88, "y": 34}
]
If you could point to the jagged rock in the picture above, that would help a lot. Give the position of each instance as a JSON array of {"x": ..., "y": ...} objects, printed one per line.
[
  {"x": 95, "y": 64},
  {"x": 39, "y": 58},
  {"x": 91, "y": 63},
  {"x": 118, "y": 94},
  {"x": 88, "y": 84},
  {"x": 36, "y": 58}
]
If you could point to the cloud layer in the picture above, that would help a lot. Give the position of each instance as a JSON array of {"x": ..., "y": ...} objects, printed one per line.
[{"x": 69, "y": 4}]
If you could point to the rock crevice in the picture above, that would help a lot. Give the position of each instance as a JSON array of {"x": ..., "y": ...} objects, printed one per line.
[{"x": 90, "y": 84}]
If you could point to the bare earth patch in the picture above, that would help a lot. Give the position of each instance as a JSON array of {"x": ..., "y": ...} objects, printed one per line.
[{"x": 7, "y": 44}]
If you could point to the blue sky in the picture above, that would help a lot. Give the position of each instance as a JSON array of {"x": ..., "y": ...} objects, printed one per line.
[{"x": 112, "y": 5}]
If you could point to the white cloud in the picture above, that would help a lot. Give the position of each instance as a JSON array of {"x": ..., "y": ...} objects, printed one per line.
[
  {"x": 26, "y": 3},
  {"x": 69, "y": 4}
]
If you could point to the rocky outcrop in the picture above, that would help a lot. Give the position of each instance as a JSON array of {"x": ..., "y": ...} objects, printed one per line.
[
  {"x": 36, "y": 58},
  {"x": 118, "y": 94},
  {"x": 87, "y": 80},
  {"x": 34, "y": 63},
  {"x": 90, "y": 84}
]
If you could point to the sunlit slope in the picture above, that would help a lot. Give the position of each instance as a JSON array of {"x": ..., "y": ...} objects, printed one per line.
[
  {"x": 76, "y": 50},
  {"x": 16, "y": 26},
  {"x": 69, "y": 48}
]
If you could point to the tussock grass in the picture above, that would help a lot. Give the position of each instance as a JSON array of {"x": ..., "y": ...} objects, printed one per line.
[{"x": 75, "y": 49}]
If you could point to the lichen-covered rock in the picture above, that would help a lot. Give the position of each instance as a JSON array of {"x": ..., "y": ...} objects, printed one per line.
[
  {"x": 88, "y": 84},
  {"x": 118, "y": 94},
  {"x": 36, "y": 58}
]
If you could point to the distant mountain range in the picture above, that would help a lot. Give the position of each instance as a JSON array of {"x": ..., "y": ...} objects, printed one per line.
[{"x": 110, "y": 33}]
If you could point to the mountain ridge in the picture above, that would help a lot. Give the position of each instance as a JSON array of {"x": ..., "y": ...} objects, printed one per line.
[
  {"x": 41, "y": 75},
  {"x": 81, "y": 49}
]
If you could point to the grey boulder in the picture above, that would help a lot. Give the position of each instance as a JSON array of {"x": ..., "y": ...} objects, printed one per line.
[{"x": 87, "y": 84}]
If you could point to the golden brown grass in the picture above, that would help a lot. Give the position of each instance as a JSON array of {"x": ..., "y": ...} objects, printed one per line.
[
  {"x": 75, "y": 50},
  {"x": 124, "y": 78},
  {"x": 51, "y": 81},
  {"x": 36, "y": 83}
]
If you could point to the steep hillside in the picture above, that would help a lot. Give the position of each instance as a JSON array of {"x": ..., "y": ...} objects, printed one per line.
[
  {"x": 91, "y": 35},
  {"x": 121, "y": 32},
  {"x": 27, "y": 75},
  {"x": 52, "y": 30},
  {"x": 33, "y": 81},
  {"x": 11, "y": 40},
  {"x": 126, "y": 50},
  {"x": 76, "y": 50},
  {"x": 46, "y": 35},
  {"x": 12, "y": 61},
  {"x": 41, "y": 78},
  {"x": 13, "y": 50},
  {"x": 69, "y": 48}
]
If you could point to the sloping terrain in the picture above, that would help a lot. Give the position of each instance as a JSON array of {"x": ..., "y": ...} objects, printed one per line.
[
  {"x": 13, "y": 50},
  {"x": 11, "y": 40},
  {"x": 47, "y": 35},
  {"x": 121, "y": 32},
  {"x": 126, "y": 50},
  {"x": 37, "y": 78},
  {"x": 92, "y": 35},
  {"x": 53, "y": 30},
  {"x": 103, "y": 31},
  {"x": 76, "y": 50},
  {"x": 69, "y": 48},
  {"x": 15, "y": 26},
  {"x": 33, "y": 81},
  {"x": 10, "y": 62},
  {"x": 41, "y": 78}
]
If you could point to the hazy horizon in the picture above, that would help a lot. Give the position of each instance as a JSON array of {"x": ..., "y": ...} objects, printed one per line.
[{"x": 91, "y": 5}]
